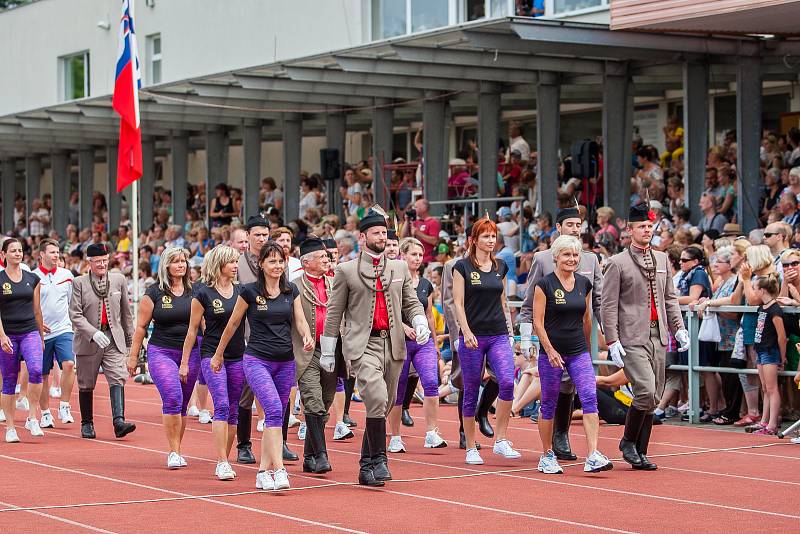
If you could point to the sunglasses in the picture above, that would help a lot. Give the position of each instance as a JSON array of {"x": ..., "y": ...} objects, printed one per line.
[
  {"x": 770, "y": 234},
  {"x": 792, "y": 263},
  {"x": 684, "y": 260}
]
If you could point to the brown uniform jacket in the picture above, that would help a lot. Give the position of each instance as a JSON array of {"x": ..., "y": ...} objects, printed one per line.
[
  {"x": 84, "y": 312},
  {"x": 448, "y": 303},
  {"x": 301, "y": 357},
  {"x": 625, "y": 303}
]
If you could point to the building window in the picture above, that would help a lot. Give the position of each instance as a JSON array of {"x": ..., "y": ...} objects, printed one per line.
[
  {"x": 428, "y": 14},
  {"x": 566, "y": 6},
  {"x": 388, "y": 18},
  {"x": 154, "y": 58},
  {"x": 479, "y": 9},
  {"x": 75, "y": 76},
  {"x": 391, "y": 18}
]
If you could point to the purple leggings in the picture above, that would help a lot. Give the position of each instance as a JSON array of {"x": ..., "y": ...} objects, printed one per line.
[
  {"x": 163, "y": 364},
  {"x": 498, "y": 354},
  {"x": 225, "y": 388},
  {"x": 425, "y": 362},
  {"x": 340, "y": 385},
  {"x": 29, "y": 346},
  {"x": 271, "y": 383},
  {"x": 580, "y": 370}
]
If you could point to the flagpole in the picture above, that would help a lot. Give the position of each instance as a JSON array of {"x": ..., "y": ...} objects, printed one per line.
[{"x": 135, "y": 230}]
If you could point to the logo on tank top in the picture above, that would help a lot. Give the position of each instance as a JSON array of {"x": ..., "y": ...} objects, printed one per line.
[
  {"x": 216, "y": 304},
  {"x": 559, "y": 295},
  {"x": 261, "y": 303},
  {"x": 166, "y": 302},
  {"x": 475, "y": 278},
  {"x": 6, "y": 288}
]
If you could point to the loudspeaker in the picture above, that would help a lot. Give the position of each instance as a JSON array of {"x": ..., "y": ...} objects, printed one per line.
[
  {"x": 584, "y": 159},
  {"x": 329, "y": 163}
]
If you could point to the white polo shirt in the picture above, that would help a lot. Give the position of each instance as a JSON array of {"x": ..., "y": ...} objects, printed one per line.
[
  {"x": 54, "y": 295},
  {"x": 295, "y": 269}
]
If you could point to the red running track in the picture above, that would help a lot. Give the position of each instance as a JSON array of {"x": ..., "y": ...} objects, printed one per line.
[{"x": 719, "y": 481}]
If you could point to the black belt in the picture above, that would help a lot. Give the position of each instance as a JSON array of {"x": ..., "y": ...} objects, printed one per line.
[{"x": 379, "y": 333}]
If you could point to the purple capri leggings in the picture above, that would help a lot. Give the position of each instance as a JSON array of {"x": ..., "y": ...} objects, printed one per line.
[
  {"x": 498, "y": 354},
  {"x": 425, "y": 362},
  {"x": 271, "y": 383},
  {"x": 225, "y": 388},
  {"x": 163, "y": 364},
  {"x": 29, "y": 346},
  {"x": 580, "y": 370}
]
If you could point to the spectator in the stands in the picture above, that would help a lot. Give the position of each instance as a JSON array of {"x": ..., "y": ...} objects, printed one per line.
[
  {"x": 788, "y": 208},
  {"x": 517, "y": 142},
  {"x": 508, "y": 229},
  {"x": 424, "y": 227},
  {"x": 648, "y": 162},
  {"x": 272, "y": 195},
  {"x": 711, "y": 217},
  {"x": 39, "y": 219},
  {"x": 777, "y": 237},
  {"x": 712, "y": 184},
  {"x": 222, "y": 209}
]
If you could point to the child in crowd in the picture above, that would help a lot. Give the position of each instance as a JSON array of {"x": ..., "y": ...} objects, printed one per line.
[{"x": 770, "y": 345}]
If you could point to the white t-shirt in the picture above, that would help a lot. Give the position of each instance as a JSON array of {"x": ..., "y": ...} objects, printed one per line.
[
  {"x": 510, "y": 231},
  {"x": 307, "y": 202},
  {"x": 521, "y": 145},
  {"x": 23, "y": 266},
  {"x": 54, "y": 297}
]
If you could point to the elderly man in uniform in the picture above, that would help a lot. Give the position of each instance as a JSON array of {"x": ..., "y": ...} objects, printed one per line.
[
  {"x": 568, "y": 222},
  {"x": 639, "y": 307},
  {"x": 103, "y": 324},
  {"x": 372, "y": 295}
]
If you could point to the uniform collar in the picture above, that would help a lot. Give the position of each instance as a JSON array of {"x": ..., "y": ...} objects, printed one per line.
[
  {"x": 376, "y": 258},
  {"x": 639, "y": 250},
  {"x": 48, "y": 271}
]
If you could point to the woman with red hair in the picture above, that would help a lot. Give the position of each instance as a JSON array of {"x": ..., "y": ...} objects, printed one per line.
[{"x": 486, "y": 333}]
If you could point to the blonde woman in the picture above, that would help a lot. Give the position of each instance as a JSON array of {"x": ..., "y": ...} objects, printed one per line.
[
  {"x": 604, "y": 217},
  {"x": 214, "y": 300},
  {"x": 168, "y": 304}
]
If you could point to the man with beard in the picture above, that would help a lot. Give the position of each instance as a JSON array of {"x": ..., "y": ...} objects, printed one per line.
[{"x": 371, "y": 295}]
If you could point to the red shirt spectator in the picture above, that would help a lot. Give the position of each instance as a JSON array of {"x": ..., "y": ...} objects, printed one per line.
[{"x": 425, "y": 228}]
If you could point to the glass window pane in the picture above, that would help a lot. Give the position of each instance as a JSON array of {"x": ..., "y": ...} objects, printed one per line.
[
  {"x": 388, "y": 18},
  {"x": 156, "y": 46},
  {"x": 75, "y": 77},
  {"x": 428, "y": 14},
  {"x": 156, "y": 76},
  {"x": 476, "y": 9},
  {"x": 562, "y": 6},
  {"x": 499, "y": 8}
]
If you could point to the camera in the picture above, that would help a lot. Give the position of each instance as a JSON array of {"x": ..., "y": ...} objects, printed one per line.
[{"x": 411, "y": 214}]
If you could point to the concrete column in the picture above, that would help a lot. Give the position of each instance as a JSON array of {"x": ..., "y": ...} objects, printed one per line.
[
  {"x": 488, "y": 135},
  {"x": 33, "y": 180},
  {"x": 382, "y": 144},
  {"x": 86, "y": 186},
  {"x": 748, "y": 137},
  {"x": 61, "y": 188},
  {"x": 434, "y": 150},
  {"x": 146, "y": 183},
  {"x": 114, "y": 198},
  {"x": 180, "y": 178},
  {"x": 292, "y": 154},
  {"x": 617, "y": 135},
  {"x": 8, "y": 192},
  {"x": 695, "y": 127},
  {"x": 335, "y": 137},
  {"x": 252, "y": 168},
  {"x": 548, "y": 128}
]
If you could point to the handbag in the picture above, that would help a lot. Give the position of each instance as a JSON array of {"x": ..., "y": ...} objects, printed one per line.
[{"x": 709, "y": 328}]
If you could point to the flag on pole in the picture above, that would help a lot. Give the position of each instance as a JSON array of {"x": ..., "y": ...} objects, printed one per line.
[{"x": 126, "y": 101}]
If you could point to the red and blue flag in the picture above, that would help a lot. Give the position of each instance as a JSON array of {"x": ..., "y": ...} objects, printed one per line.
[{"x": 125, "y": 101}]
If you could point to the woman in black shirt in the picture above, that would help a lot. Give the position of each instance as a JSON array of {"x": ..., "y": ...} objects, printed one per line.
[
  {"x": 486, "y": 335},
  {"x": 214, "y": 300},
  {"x": 21, "y": 335},
  {"x": 222, "y": 210},
  {"x": 272, "y": 310},
  {"x": 561, "y": 312},
  {"x": 168, "y": 304}
]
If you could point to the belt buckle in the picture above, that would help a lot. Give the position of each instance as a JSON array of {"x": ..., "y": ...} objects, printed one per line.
[
  {"x": 384, "y": 334},
  {"x": 653, "y": 324}
]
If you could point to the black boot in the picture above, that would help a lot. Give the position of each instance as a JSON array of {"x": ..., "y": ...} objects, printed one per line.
[
  {"x": 288, "y": 455},
  {"x": 487, "y": 398},
  {"x": 561, "y": 422},
  {"x": 633, "y": 426},
  {"x": 406, "y": 418},
  {"x": 315, "y": 431},
  {"x": 309, "y": 454},
  {"x": 462, "y": 438},
  {"x": 643, "y": 442},
  {"x": 349, "y": 386},
  {"x": 243, "y": 431},
  {"x": 411, "y": 387},
  {"x": 376, "y": 428},
  {"x": 366, "y": 477},
  {"x": 121, "y": 427},
  {"x": 86, "y": 401}
]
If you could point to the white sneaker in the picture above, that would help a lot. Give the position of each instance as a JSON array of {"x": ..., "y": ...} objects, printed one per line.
[
  {"x": 3, "y": 417},
  {"x": 503, "y": 448},
  {"x": 204, "y": 417},
  {"x": 173, "y": 460},
  {"x": 301, "y": 432},
  {"x": 796, "y": 440},
  {"x": 596, "y": 462},
  {"x": 433, "y": 440},
  {"x": 17, "y": 389},
  {"x": 33, "y": 426},
  {"x": 281, "y": 478},
  {"x": 225, "y": 471},
  {"x": 193, "y": 411},
  {"x": 55, "y": 392},
  {"x": 474, "y": 457},
  {"x": 184, "y": 463},
  {"x": 22, "y": 404},
  {"x": 254, "y": 407},
  {"x": 293, "y": 421},
  {"x": 264, "y": 480},
  {"x": 548, "y": 464},
  {"x": 47, "y": 420},
  {"x": 65, "y": 414},
  {"x": 11, "y": 435},
  {"x": 396, "y": 445},
  {"x": 260, "y": 425},
  {"x": 342, "y": 431}
]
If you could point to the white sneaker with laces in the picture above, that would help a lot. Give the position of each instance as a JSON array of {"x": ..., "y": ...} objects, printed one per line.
[
  {"x": 193, "y": 411},
  {"x": 55, "y": 392},
  {"x": 260, "y": 425},
  {"x": 301, "y": 432},
  {"x": 11, "y": 435},
  {"x": 47, "y": 420},
  {"x": 597, "y": 462},
  {"x": 64, "y": 414},
  {"x": 204, "y": 418},
  {"x": 3, "y": 417},
  {"x": 173, "y": 460},
  {"x": 33, "y": 426},
  {"x": 22, "y": 404},
  {"x": 548, "y": 464},
  {"x": 796, "y": 440},
  {"x": 225, "y": 471},
  {"x": 503, "y": 448},
  {"x": 396, "y": 445},
  {"x": 433, "y": 440},
  {"x": 474, "y": 457},
  {"x": 342, "y": 431},
  {"x": 184, "y": 463},
  {"x": 281, "y": 478},
  {"x": 264, "y": 480},
  {"x": 293, "y": 421}
]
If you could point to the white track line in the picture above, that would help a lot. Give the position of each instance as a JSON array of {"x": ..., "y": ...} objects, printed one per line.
[{"x": 56, "y": 518}]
